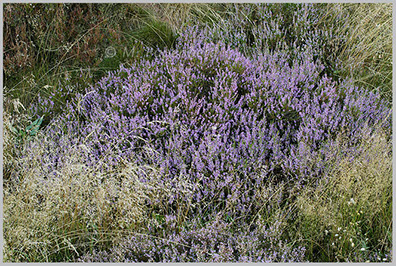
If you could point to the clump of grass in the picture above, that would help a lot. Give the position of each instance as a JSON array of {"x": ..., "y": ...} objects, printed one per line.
[
  {"x": 14, "y": 120},
  {"x": 180, "y": 15},
  {"x": 348, "y": 216},
  {"x": 366, "y": 55},
  {"x": 174, "y": 15}
]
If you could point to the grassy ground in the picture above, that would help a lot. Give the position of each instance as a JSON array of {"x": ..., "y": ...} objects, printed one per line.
[{"x": 347, "y": 217}]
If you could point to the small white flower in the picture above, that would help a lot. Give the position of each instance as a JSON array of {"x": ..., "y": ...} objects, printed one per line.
[
  {"x": 384, "y": 259},
  {"x": 362, "y": 249},
  {"x": 339, "y": 228},
  {"x": 353, "y": 244},
  {"x": 351, "y": 201},
  {"x": 336, "y": 235},
  {"x": 326, "y": 232}
]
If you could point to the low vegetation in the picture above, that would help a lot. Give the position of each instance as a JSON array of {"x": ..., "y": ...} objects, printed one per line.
[{"x": 197, "y": 133}]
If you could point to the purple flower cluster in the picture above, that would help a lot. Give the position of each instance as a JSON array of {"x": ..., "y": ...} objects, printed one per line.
[
  {"x": 212, "y": 243},
  {"x": 221, "y": 120}
]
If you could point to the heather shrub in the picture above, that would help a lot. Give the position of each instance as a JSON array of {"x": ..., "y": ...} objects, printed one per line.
[{"x": 223, "y": 121}]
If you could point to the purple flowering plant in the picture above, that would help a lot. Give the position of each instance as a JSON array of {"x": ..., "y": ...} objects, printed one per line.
[{"x": 225, "y": 122}]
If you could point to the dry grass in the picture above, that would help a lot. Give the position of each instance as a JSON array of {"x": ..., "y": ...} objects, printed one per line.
[
  {"x": 84, "y": 207},
  {"x": 352, "y": 209}
]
